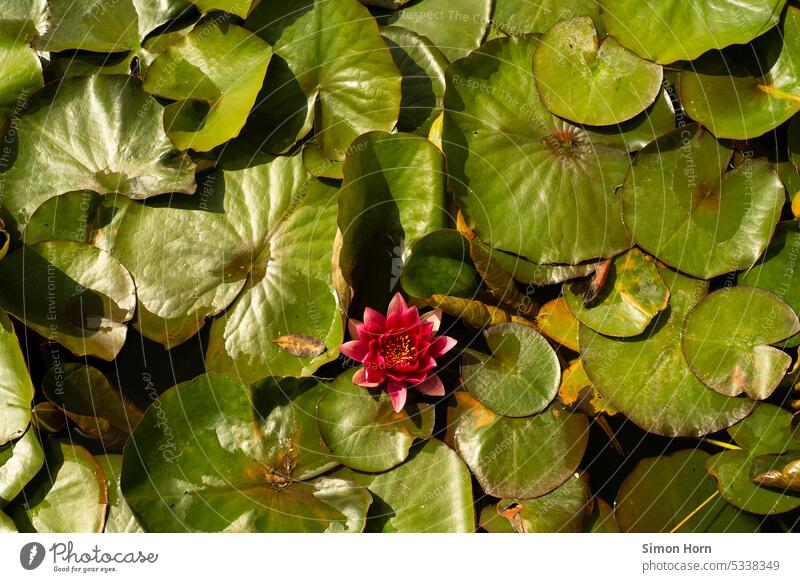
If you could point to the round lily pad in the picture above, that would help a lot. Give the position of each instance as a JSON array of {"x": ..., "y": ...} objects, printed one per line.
[
  {"x": 727, "y": 341},
  {"x": 743, "y": 98},
  {"x": 507, "y": 154},
  {"x": 631, "y": 296},
  {"x": 775, "y": 271},
  {"x": 431, "y": 492},
  {"x": 440, "y": 264},
  {"x": 363, "y": 431},
  {"x": 661, "y": 492},
  {"x": 672, "y": 30},
  {"x": 521, "y": 458},
  {"x": 647, "y": 377},
  {"x": 684, "y": 206},
  {"x": 592, "y": 81},
  {"x": 214, "y": 455},
  {"x": 519, "y": 378}
]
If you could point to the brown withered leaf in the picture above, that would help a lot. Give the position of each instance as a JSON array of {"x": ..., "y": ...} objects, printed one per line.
[
  {"x": 786, "y": 478},
  {"x": 301, "y": 345}
]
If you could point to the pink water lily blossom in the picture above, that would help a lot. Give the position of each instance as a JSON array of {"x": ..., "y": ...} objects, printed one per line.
[{"x": 399, "y": 349}]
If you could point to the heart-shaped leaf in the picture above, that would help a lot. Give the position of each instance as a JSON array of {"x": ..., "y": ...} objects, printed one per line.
[
  {"x": 72, "y": 293},
  {"x": 519, "y": 378},
  {"x": 647, "y": 377},
  {"x": 90, "y": 133},
  {"x": 740, "y": 99},
  {"x": 661, "y": 492},
  {"x": 319, "y": 48},
  {"x": 588, "y": 80},
  {"x": 680, "y": 195},
  {"x": 674, "y": 30},
  {"x": 363, "y": 431},
  {"x": 727, "y": 341},
  {"x": 507, "y": 154},
  {"x": 431, "y": 492},
  {"x": 20, "y": 460},
  {"x": 214, "y": 95},
  {"x": 521, "y": 458},
  {"x": 119, "y": 519},
  {"x": 632, "y": 295},
  {"x": 217, "y": 456},
  {"x": 16, "y": 388}
]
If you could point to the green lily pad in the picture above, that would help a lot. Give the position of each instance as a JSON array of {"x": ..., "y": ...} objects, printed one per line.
[
  {"x": 20, "y": 460},
  {"x": 742, "y": 101},
  {"x": 214, "y": 74},
  {"x": 91, "y": 402},
  {"x": 633, "y": 294},
  {"x": 67, "y": 496},
  {"x": 680, "y": 195},
  {"x": 786, "y": 478},
  {"x": 661, "y": 492},
  {"x": 72, "y": 293},
  {"x": 103, "y": 27},
  {"x": 7, "y": 524},
  {"x": 455, "y": 28},
  {"x": 563, "y": 510},
  {"x": 519, "y": 378},
  {"x": 727, "y": 341},
  {"x": 320, "y": 166},
  {"x": 16, "y": 388},
  {"x": 120, "y": 518},
  {"x": 507, "y": 154},
  {"x": 430, "y": 492},
  {"x": 521, "y": 458},
  {"x": 20, "y": 74},
  {"x": 23, "y": 18},
  {"x": 93, "y": 139},
  {"x": 602, "y": 518},
  {"x": 533, "y": 274},
  {"x": 210, "y": 458},
  {"x": 764, "y": 436},
  {"x": 440, "y": 264},
  {"x": 586, "y": 80},
  {"x": 647, "y": 377},
  {"x": 319, "y": 48},
  {"x": 500, "y": 283},
  {"x": 422, "y": 66},
  {"x": 362, "y": 430},
  {"x": 775, "y": 270},
  {"x": 238, "y": 7},
  {"x": 392, "y": 195},
  {"x": 674, "y": 30},
  {"x": 521, "y": 17}
]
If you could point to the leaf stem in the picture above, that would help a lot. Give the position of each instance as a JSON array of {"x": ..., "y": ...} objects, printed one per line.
[
  {"x": 694, "y": 512},
  {"x": 724, "y": 445}
]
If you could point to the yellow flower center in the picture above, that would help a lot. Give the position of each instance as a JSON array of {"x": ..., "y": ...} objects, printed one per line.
[{"x": 399, "y": 350}]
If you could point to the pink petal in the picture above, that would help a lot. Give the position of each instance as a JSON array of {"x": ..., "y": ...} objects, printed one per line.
[
  {"x": 431, "y": 387},
  {"x": 396, "y": 306},
  {"x": 397, "y": 393},
  {"x": 374, "y": 320},
  {"x": 441, "y": 345},
  {"x": 352, "y": 327},
  {"x": 374, "y": 374},
  {"x": 355, "y": 350},
  {"x": 360, "y": 378},
  {"x": 434, "y": 317}
]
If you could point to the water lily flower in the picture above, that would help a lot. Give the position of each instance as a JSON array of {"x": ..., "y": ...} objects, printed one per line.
[{"x": 400, "y": 349}]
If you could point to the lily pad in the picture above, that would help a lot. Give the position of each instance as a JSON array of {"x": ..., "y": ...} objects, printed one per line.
[
  {"x": 119, "y": 519},
  {"x": 362, "y": 430},
  {"x": 674, "y": 30},
  {"x": 738, "y": 99},
  {"x": 602, "y": 518},
  {"x": 592, "y": 81},
  {"x": 507, "y": 154},
  {"x": 680, "y": 195},
  {"x": 521, "y": 17},
  {"x": 67, "y": 496},
  {"x": 786, "y": 478},
  {"x": 521, "y": 458},
  {"x": 519, "y": 378},
  {"x": 431, "y": 492},
  {"x": 764, "y": 436},
  {"x": 455, "y": 28},
  {"x": 633, "y": 294},
  {"x": 20, "y": 461},
  {"x": 647, "y": 377},
  {"x": 16, "y": 388},
  {"x": 563, "y": 510},
  {"x": 775, "y": 271},
  {"x": 214, "y": 95},
  {"x": 319, "y": 48},
  {"x": 93, "y": 139},
  {"x": 209, "y": 458},
  {"x": 320, "y": 166},
  {"x": 533, "y": 274},
  {"x": 440, "y": 264},
  {"x": 92, "y": 403},
  {"x": 661, "y": 492},
  {"x": 238, "y": 7},
  {"x": 20, "y": 74},
  {"x": 72, "y": 293},
  {"x": 23, "y": 18},
  {"x": 727, "y": 341}
]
